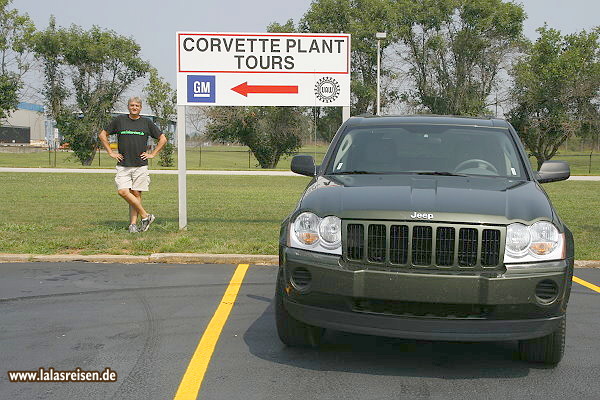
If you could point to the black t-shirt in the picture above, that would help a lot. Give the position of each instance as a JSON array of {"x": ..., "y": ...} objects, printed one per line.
[{"x": 133, "y": 138}]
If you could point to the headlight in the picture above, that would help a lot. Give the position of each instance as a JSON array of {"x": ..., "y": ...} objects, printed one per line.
[
  {"x": 306, "y": 228},
  {"x": 518, "y": 239},
  {"x": 540, "y": 241},
  {"x": 544, "y": 238},
  {"x": 309, "y": 231},
  {"x": 330, "y": 231}
]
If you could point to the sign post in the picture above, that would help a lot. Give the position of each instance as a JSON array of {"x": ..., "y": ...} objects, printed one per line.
[
  {"x": 181, "y": 167},
  {"x": 258, "y": 69}
]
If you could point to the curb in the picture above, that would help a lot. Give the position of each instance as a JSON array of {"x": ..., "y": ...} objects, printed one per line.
[
  {"x": 191, "y": 258},
  {"x": 162, "y": 258},
  {"x": 587, "y": 264},
  {"x": 177, "y": 258}
]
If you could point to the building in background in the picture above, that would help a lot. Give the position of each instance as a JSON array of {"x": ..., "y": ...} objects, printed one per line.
[
  {"x": 25, "y": 126},
  {"x": 29, "y": 126}
]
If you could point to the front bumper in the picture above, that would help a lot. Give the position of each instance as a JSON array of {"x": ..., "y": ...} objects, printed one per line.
[
  {"x": 428, "y": 305},
  {"x": 424, "y": 329}
]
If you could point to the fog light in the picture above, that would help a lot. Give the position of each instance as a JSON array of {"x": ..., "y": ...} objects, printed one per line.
[
  {"x": 546, "y": 291},
  {"x": 301, "y": 278}
]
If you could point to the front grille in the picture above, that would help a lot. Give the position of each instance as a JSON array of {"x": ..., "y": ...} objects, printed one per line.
[
  {"x": 467, "y": 244},
  {"x": 355, "y": 242},
  {"x": 423, "y": 310},
  {"x": 376, "y": 243},
  {"x": 490, "y": 247},
  {"x": 444, "y": 246},
  {"x": 421, "y": 245},
  {"x": 398, "y": 244}
]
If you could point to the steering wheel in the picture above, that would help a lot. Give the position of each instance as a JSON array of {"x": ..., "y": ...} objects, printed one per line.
[{"x": 480, "y": 163}]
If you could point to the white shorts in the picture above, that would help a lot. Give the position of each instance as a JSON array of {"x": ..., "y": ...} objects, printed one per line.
[{"x": 135, "y": 178}]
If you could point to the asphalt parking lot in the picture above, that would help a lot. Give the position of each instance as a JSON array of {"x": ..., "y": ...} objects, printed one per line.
[{"x": 155, "y": 325}]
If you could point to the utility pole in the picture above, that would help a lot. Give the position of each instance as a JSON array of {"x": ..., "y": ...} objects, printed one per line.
[{"x": 379, "y": 36}]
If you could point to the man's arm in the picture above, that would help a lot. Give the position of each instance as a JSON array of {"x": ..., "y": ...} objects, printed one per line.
[
  {"x": 162, "y": 140},
  {"x": 103, "y": 136}
]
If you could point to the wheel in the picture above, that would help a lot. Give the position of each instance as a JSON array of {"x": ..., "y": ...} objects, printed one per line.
[
  {"x": 292, "y": 332},
  {"x": 548, "y": 349},
  {"x": 480, "y": 164}
]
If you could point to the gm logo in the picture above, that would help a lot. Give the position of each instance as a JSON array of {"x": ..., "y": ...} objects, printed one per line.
[{"x": 201, "y": 89}]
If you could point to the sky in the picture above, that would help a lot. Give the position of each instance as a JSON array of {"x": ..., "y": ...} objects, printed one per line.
[{"x": 153, "y": 23}]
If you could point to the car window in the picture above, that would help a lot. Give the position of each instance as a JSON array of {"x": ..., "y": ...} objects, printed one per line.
[{"x": 451, "y": 149}]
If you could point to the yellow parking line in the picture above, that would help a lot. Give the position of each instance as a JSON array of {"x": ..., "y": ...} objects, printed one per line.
[
  {"x": 192, "y": 379},
  {"x": 587, "y": 284}
]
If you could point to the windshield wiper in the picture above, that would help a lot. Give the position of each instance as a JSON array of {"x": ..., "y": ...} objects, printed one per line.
[
  {"x": 355, "y": 172},
  {"x": 441, "y": 173}
]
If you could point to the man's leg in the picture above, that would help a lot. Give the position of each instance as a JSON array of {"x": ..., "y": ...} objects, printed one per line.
[
  {"x": 133, "y": 201},
  {"x": 133, "y": 213},
  {"x": 140, "y": 183}
]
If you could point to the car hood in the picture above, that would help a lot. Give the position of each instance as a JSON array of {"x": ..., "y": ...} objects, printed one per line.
[{"x": 420, "y": 197}]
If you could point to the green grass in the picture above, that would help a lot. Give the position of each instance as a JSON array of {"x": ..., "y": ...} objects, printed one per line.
[
  {"x": 578, "y": 205},
  {"x": 81, "y": 213},
  {"x": 212, "y": 157}
]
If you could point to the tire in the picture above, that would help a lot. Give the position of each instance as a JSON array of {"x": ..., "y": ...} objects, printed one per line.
[
  {"x": 292, "y": 332},
  {"x": 548, "y": 349}
]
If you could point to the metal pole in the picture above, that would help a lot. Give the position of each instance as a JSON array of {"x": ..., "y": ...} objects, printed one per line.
[
  {"x": 181, "y": 167},
  {"x": 379, "y": 36},
  {"x": 378, "y": 75},
  {"x": 345, "y": 113}
]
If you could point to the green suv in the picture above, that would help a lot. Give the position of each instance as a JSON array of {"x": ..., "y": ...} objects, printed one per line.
[{"x": 426, "y": 227}]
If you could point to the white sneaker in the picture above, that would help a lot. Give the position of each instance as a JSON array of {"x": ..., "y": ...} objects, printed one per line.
[{"x": 145, "y": 224}]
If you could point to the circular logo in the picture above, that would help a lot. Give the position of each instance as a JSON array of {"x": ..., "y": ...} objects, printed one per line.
[{"x": 327, "y": 89}]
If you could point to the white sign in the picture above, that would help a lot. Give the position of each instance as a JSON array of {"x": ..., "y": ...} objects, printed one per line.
[{"x": 263, "y": 69}]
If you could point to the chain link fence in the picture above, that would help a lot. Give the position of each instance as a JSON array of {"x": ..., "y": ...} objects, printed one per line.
[
  {"x": 581, "y": 164},
  {"x": 224, "y": 157}
]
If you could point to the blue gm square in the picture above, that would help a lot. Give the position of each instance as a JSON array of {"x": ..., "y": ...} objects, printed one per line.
[{"x": 201, "y": 88}]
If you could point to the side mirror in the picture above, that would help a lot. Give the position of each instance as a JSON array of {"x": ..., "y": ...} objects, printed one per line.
[
  {"x": 554, "y": 171},
  {"x": 304, "y": 165}
]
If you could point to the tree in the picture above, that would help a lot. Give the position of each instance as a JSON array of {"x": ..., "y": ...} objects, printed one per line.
[
  {"x": 362, "y": 19},
  {"x": 15, "y": 37},
  {"x": 269, "y": 132},
  {"x": 288, "y": 27},
  {"x": 328, "y": 120},
  {"x": 10, "y": 86},
  {"x": 454, "y": 50},
  {"x": 162, "y": 100},
  {"x": 556, "y": 90},
  {"x": 196, "y": 117},
  {"x": 48, "y": 47},
  {"x": 101, "y": 66}
]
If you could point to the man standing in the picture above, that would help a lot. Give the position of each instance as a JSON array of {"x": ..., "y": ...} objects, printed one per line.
[{"x": 132, "y": 168}]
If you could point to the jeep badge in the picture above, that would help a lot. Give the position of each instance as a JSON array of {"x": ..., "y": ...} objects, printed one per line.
[{"x": 416, "y": 215}]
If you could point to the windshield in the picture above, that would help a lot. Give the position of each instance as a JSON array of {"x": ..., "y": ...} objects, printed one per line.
[{"x": 427, "y": 149}]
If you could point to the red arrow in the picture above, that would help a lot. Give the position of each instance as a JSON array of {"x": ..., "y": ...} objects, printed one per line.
[{"x": 244, "y": 89}]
